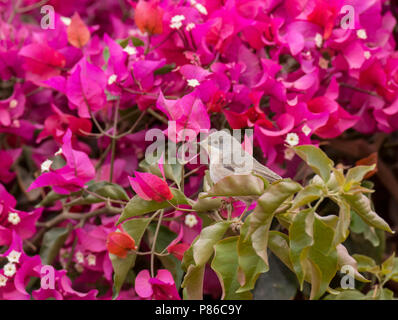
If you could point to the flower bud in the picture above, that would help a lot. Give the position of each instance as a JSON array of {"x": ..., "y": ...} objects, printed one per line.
[{"x": 119, "y": 243}]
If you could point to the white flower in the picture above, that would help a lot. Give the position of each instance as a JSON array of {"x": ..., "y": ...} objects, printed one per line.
[
  {"x": 9, "y": 269},
  {"x": 130, "y": 50},
  {"x": 79, "y": 257},
  {"x": 59, "y": 152},
  {"x": 176, "y": 21},
  {"x": 112, "y": 79},
  {"x": 361, "y": 34},
  {"x": 318, "y": 40},
  {"x": 190, "y": 220},
  {"x": 13, "y": 103},
  {"x": 46, "y": 165},
  {"x": 193, "y": 83},
  {"x": 190, "y": 26},
  {"x": 3, "y": 281},
  {"x": 67, "y": 21},
  {"x": 201, "y": 8},
  {"x": 289, "y": 154},
  {"x": 292, "y": 139},
  {"x": 367, "y": 54},
  {"x": 14, "y": 218},
  {"x": 306, "y": 130},
  {"x": 14, "y": 256},
  {"x": 91, "y": 260}
]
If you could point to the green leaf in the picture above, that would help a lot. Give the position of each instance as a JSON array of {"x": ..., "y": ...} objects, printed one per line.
[
  {"x": 359, "y": 226},
  {"x": 356, "y": 174},
  {"x": 261, "y": 218},
  {"x": 316, "y": 159},
  {"x": 52, "y": 196},
  {"x": 346, "y": 295},
  {"x": 52, "y": 242},
  {"x": 250, "y": 264},
  {"x": 365, "y": 263},
  {"x": 307, "y": 195},
  {"x": 136, "y": 42},
  {"x": 279, "y": 283},
  {"x": 300, "y": 238},
  {"x": 361, "y": 205},
  {"x": 383, "y": 294},
  {"x": 209, "y": 236},
  {"x": 323, "y": 258},
  {"x": 103, "y": 189},
  {"x": 344, "y": 258},
  {"x": 193, "y": 282},
  {"x": 278, "y": 243},
  {"x": 206, "y": 204},
  {"x": 225, "y": 264},
  {"x": 109, "y": 190},
  {"x": 237, "y": 185},
  {"x": 138, "y": 206},
  {"x": 121, "y": 266},
  {"x": 343, "y": 223},
  {"x": 165, "y": 69}
]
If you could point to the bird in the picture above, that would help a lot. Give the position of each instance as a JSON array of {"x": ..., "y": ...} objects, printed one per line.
[{"x": 227, "y": 157}]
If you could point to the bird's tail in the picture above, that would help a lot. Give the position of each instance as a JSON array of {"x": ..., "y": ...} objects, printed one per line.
[{"x": 263, "y": 171}]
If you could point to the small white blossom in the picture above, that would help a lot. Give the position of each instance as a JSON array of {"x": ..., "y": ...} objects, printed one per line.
[
  {"x": 306, "y": 130},
  {"x": 14, "y": 218},
  {"x": 59, "y": 152},
  {"x": 289, "y": 154},
  {"x": 46, "y": 165},
  {"x": 367, "y": 54},
  {"x": 292, "y": 139},
  {"x": 91, "y": 260},
  {"x": 193, "y": 83},
  {"x": 112, "y": 79},
  {"x": 13, "y": 103},
  {"x": 190, "y": 220},
  {"x": 361, "y": 34},
  {"x": 201, "y": 8},
  {"x": 79, "y": 257},
  {"x": 67, "y": 21},
  {"x": 9, "y": 269},
  {"x": 176, "y": 21},
  {"x": 130, "y": 50},
  {"x": 14, "y": 256},
  {"x": 318, "y": 40},
  {"x": 190, "y": 26},
  {"x": 3, "y": 280}
]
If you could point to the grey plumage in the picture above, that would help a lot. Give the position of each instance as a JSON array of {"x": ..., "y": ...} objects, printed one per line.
[{"x": 227, "y": 157}]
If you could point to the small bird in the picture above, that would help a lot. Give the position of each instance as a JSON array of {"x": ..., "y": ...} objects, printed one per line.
[{"x": 227, "y": 157}]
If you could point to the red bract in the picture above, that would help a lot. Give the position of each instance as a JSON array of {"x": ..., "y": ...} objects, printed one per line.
[
  {"x": 78, "y": 33},
  {"x": 148, "y": 16},
  {"x": 41, "y": 61},
  {"x": 57, "y": 124},
  {"x": 150, "y": 187},
  {"x": 120, "y": 243}
]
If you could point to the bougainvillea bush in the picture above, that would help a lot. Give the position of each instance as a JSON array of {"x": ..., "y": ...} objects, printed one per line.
[{"x": 84, "y": 85}]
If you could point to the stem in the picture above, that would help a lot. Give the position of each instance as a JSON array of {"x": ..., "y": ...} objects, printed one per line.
[
  {"x": 155, "y": 237},
  {"x": 346, "y": 85},
  {"x": 113, "y": 148}
]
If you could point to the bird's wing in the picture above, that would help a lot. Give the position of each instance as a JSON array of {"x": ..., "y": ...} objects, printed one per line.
[{"x": 263, "y": 171}]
